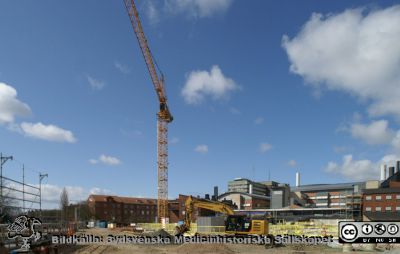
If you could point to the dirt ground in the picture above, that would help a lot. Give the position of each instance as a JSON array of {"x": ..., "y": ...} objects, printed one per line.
[{"x": 190, "y": 248}]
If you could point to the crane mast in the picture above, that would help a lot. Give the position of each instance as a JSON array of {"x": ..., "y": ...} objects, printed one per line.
[{"x": 163, "y": 116}]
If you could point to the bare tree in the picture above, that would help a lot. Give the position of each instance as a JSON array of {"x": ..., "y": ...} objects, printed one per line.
[{"x": 64, "y": 202}]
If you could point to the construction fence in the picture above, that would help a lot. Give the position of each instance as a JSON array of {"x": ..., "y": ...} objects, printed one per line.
[{"x": 313, "y": 228}]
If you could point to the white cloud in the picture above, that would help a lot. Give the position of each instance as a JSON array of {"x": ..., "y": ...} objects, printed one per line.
[
  {"x": 354, "y": 170},
  {"x": 340, "y": 149},
  {"x": 122, "y": 68},
  {"x": 174, "y": 140},
  {"x": 51, "y": 194},
  {"x": 201, "y": 149},
  {"x": 95, "y": 83},
  {"x": 396, "y": 141},
  {"x": 265, "y": 147},
  {"x": 292, "y": 163},
  {"x": 93, "y": 161},
  {"x": 359, "y": 170},
  {"x": 202, "y": 83},
  {"x": 356, "y": 51},
  {"x": 197, "y": 8},
  {"x": 377, "y": 132},
  {"x": 152, "y": 12},
  {"x": 259, "y": 120},
  {"x": 47, "y": 132},
  {"x": 10, "y": 106},
  {"x": 107, "y": 160},
  {"x": 234, "y": 111},
  {"x": 99, "y": 191}
]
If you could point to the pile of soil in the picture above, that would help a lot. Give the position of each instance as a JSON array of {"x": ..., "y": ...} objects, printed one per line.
[
  {"x": 159, "y": 233},
  {"x": 190, "y": 248}
]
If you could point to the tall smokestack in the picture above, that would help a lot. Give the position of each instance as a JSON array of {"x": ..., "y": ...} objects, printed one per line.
[
  {"x": 297, "y": 179},
  {"x": 391, "y": 171},
  {"x": 397, "y": 166},
  {"x": 215, "y": 192},
  {"x": 383, "y": 172}
]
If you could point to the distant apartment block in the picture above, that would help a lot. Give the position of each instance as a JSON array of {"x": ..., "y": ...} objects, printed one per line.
[
  {"x": 244, "y": 185},
  {"x": 245, "y": 201},
  {"x": 339, "y": 195}
]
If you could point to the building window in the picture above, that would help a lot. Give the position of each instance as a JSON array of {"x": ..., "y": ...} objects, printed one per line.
[
  {"x": 378, "y": 209},
  {"x": 388, "y": 208},
  {"x": 388, "y": 196},
  {"x": 368, "y": 209},
  {"x": 378, "y": 197},
  {"x": 397, "y": 208},
  {"x": 368, "y": 197},
  {"x": 397, "y": 196}
]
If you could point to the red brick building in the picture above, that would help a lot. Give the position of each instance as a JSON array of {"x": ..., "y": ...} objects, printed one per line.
[
  {"x": 122, "y": 210},
  {"x": 381, "y": 204},
  {"x": 126, "y": 210}
]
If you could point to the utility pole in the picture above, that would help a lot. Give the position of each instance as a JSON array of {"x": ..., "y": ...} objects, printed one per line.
[
  {"x": 23, "y": 188},
  {"x": 41, "y": 177},
  {"x": 2, "y": 161}
]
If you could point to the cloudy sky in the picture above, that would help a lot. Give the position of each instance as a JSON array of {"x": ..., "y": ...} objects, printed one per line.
[{"x": 256, "y": 89}]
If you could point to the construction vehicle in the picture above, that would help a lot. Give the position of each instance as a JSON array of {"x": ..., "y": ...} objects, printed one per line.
[
  {"x": 164, "y": 117},
  {"x": 235, "y": 224}
]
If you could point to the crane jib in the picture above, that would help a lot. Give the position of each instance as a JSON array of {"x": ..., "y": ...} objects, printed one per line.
[{"x": 164, "y": 116}]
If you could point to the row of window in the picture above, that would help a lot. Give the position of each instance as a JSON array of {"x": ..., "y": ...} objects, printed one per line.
[
  {"x": 379, "y": 209},
  {"x": 126, "y": 205},
  {"x": 379, "y": 197},
  {"x": 126, "y": 211}
]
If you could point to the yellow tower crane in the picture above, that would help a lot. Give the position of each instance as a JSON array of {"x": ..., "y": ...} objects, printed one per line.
[{"x": 163, "y": 116}]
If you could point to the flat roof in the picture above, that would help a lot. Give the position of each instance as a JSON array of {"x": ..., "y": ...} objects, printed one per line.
[
  {"x": 381, "y": 190},
  {"x": 333, "y": 186},
  {"x": 244, "y": 193}
]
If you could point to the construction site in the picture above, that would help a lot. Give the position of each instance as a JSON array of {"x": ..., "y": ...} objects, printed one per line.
[{"x": 246, "y": 214}]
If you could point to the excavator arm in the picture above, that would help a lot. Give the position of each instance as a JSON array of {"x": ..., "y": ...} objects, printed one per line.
[{"x": 191, "y": 203}]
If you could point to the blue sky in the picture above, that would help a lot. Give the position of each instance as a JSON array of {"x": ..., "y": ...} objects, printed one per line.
[{"x": 256, "y": 88}]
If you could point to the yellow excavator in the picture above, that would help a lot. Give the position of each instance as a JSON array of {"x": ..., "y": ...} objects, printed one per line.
[{"x": 235, "y": 224}]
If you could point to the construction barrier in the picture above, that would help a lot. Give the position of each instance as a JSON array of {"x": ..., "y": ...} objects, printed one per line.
[
  {"x": 151, "y": 227},
  {"x": 211, "y": 230},
  {"x": 304, "y": 228},
  {"x": 294, "y": 228}
]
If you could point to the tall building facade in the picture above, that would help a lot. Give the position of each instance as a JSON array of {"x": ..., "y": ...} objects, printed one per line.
[{"x": 244, "y": 185}]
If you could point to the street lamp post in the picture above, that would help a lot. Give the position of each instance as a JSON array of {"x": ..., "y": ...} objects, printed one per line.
[{"x": 41, "y": 177}]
